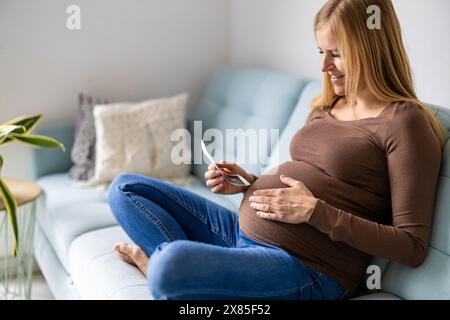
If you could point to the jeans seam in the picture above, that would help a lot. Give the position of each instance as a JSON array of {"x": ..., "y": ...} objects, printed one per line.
[
  {"x": 185, "y": 206},
  {"x": 152, "y": 217},
  {"x": 310, "y": 284},
  {"x": 322, "y": 277}
]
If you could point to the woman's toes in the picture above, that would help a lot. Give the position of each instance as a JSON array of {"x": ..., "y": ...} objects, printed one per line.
[{"x": 124, "y": 250}]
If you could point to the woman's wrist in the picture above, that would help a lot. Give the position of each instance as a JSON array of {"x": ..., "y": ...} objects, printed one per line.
[{"x": 311, "y": 203}]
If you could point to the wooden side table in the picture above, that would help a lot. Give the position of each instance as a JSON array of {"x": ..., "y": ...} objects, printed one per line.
[{"x": 16, "y": 273}]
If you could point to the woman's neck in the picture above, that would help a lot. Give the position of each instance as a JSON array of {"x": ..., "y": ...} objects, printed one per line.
[{"x": 367, "y": 102}]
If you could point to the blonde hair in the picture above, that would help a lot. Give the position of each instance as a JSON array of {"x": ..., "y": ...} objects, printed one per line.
[{"x": 376, "y": 57}]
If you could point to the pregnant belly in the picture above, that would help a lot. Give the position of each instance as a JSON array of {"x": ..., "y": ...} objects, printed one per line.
[
  {"x": 334, "y": 191},
  {"x": 313, "y": 178},
  {"x": 303, "y": 239}
]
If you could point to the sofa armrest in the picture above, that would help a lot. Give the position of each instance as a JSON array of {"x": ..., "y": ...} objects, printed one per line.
[{"x": 47, "y": 161}]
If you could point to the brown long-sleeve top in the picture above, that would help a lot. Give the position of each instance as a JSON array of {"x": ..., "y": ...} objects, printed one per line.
[{"x": 375, "y": 179}]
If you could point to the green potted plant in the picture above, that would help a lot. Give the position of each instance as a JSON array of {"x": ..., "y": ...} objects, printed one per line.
[{"x": 18, "y": 130}]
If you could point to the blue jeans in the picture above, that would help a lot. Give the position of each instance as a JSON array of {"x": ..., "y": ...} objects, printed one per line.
[{"x": 197, "y": 250}]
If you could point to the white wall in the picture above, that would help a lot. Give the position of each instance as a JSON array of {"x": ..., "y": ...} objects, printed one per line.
[
  {"x": 279, "y": 34},
  {"x": 126, "y": 50},
  {"x": 276, "y": 34},
  {"x": 139, "y": 49}
]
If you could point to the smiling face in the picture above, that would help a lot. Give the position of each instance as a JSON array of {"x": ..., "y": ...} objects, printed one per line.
[{"x": 332, "y": 62}]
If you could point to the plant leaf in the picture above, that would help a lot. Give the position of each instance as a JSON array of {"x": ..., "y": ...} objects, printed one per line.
[
  {"x": 1, "y": 163},
  {"x": 11, "y": 127},
  {"x": 38, "y": 140},
  {"x": 6, "y": 129},
  {"x": 29, "y": 122},
  {"x": 11, "y": 209}
]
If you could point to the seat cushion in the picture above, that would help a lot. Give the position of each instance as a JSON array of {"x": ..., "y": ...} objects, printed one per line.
[
  {"x": 61, "y": 190},
  {"x": 67, "y": 211},
  {"x": 378, "y": 296},
  {"x": 97, "y": 271},
  {"x": 57, "y": 278},
  {"x": 91, "y": 259}
]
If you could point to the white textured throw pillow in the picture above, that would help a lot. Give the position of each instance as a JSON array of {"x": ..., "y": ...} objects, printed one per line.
[{"x": 136, "y": 138}]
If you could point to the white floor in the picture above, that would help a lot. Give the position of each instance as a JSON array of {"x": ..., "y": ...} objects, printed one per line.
[{"x": 39, "y": 289}]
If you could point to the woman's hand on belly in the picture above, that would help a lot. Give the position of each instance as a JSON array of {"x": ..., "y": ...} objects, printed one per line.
[{"x": 293, "y": 204}]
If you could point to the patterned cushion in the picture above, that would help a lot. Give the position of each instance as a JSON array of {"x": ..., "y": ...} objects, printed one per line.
[
  {"x": 137, "y": 138},
  {"x": 83, "y": 150}
]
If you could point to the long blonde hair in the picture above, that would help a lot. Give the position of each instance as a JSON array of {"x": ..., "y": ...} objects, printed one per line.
[{"x": 376, "y": 57}]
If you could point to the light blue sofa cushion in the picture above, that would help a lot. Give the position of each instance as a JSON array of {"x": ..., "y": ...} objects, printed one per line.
[
  {"x": 92, "y": 261},
  {"x": 444, "y": 116},
  {"x": 430, "y": 280},
  {"x": 70, "y": 211},
  {"x": 280, "y": 152},
  {"x": 57, "y": 278},
  {"x": 61, "y": 190},
  {"x": 247, "y": 98},
  {"x": 48, "y": 161}
]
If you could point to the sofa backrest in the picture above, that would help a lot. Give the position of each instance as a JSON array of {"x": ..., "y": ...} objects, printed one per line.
[
  {"x": 49, "y": 161},
  {"x": 280, "y": 152},
  {"x": 430, "y": 280},
  {"x": 246, "y": 98}
]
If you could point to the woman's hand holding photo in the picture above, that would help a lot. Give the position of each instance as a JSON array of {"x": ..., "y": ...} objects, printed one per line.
[{"x": 216, "y": 181}]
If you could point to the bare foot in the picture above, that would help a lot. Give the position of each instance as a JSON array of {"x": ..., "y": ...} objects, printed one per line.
[{"x": 133, "y": 255}]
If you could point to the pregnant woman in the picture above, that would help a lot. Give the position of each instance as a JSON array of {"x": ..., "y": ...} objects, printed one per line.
[{"x": 361, "y": 183}]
